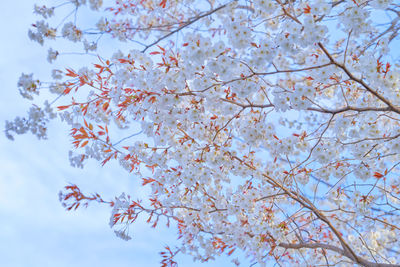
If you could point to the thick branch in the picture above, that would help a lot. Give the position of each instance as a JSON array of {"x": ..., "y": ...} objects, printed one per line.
[
  {"x": 321, "y": 110},
  {"x": 360, "y": 81},
  {"x": 184, "y": 26},
  {"x": 292, "y": 70},
  {"x": 336, "y": 249},
  {"x": 306, "y": 203},
  {"x": 348, "y": 108}
]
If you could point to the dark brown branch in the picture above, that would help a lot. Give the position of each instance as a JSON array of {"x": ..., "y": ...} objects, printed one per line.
[
  {"x": 184, "y": 26},
  {"x": 349, "y": 108},
  {"x": 336, "y": 249},
  {"x": 293, "y": 70},
  {"x": 360, "y": 81},
  {"x": 306, "y": 203}
]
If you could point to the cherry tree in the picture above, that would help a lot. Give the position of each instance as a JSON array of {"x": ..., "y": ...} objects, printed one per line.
[{"x": 264, "y": 126}]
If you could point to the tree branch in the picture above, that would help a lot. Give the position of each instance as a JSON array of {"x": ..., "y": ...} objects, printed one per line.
[
  {"x": 184, "y": 26},
  {"x": 335, "y": 249},
  {"x": 360, "y": 81}
]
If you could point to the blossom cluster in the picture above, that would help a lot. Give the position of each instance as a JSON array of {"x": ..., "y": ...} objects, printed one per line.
[{"x": 35, "y": 122}]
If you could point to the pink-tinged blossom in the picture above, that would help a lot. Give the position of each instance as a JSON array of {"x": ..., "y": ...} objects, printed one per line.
[{"x": 265, "y": 126}]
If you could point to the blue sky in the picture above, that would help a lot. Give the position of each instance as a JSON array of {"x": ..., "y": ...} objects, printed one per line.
[{"x": 35, "y": 229}]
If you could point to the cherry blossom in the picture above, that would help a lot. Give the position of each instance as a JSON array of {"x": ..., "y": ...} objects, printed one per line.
[{"x": 267, "y": 127}]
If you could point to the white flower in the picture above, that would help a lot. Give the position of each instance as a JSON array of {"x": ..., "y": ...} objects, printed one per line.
[
  {"x": 35, "y": 37},
  {"x": 379, "y": 4},
  {"x": 89, "y": 46},
  {"x": 42, "y": 31},
  {"x": 56, "y": 74},
  {"x": 102, "y": 25},
  {"x": 52, "y": 55},
  {"x": 95, "y": 4},
  {"x": 303, "y": 178},
  {"x": 122, "y": 234},
  {"x": 27, "y": 86},
  {"x": 71, "y": 32},
  {"x": 76, "y": 160},
  {"x": 44, "y": 11},
  {"x": 78, "y": 2}
]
